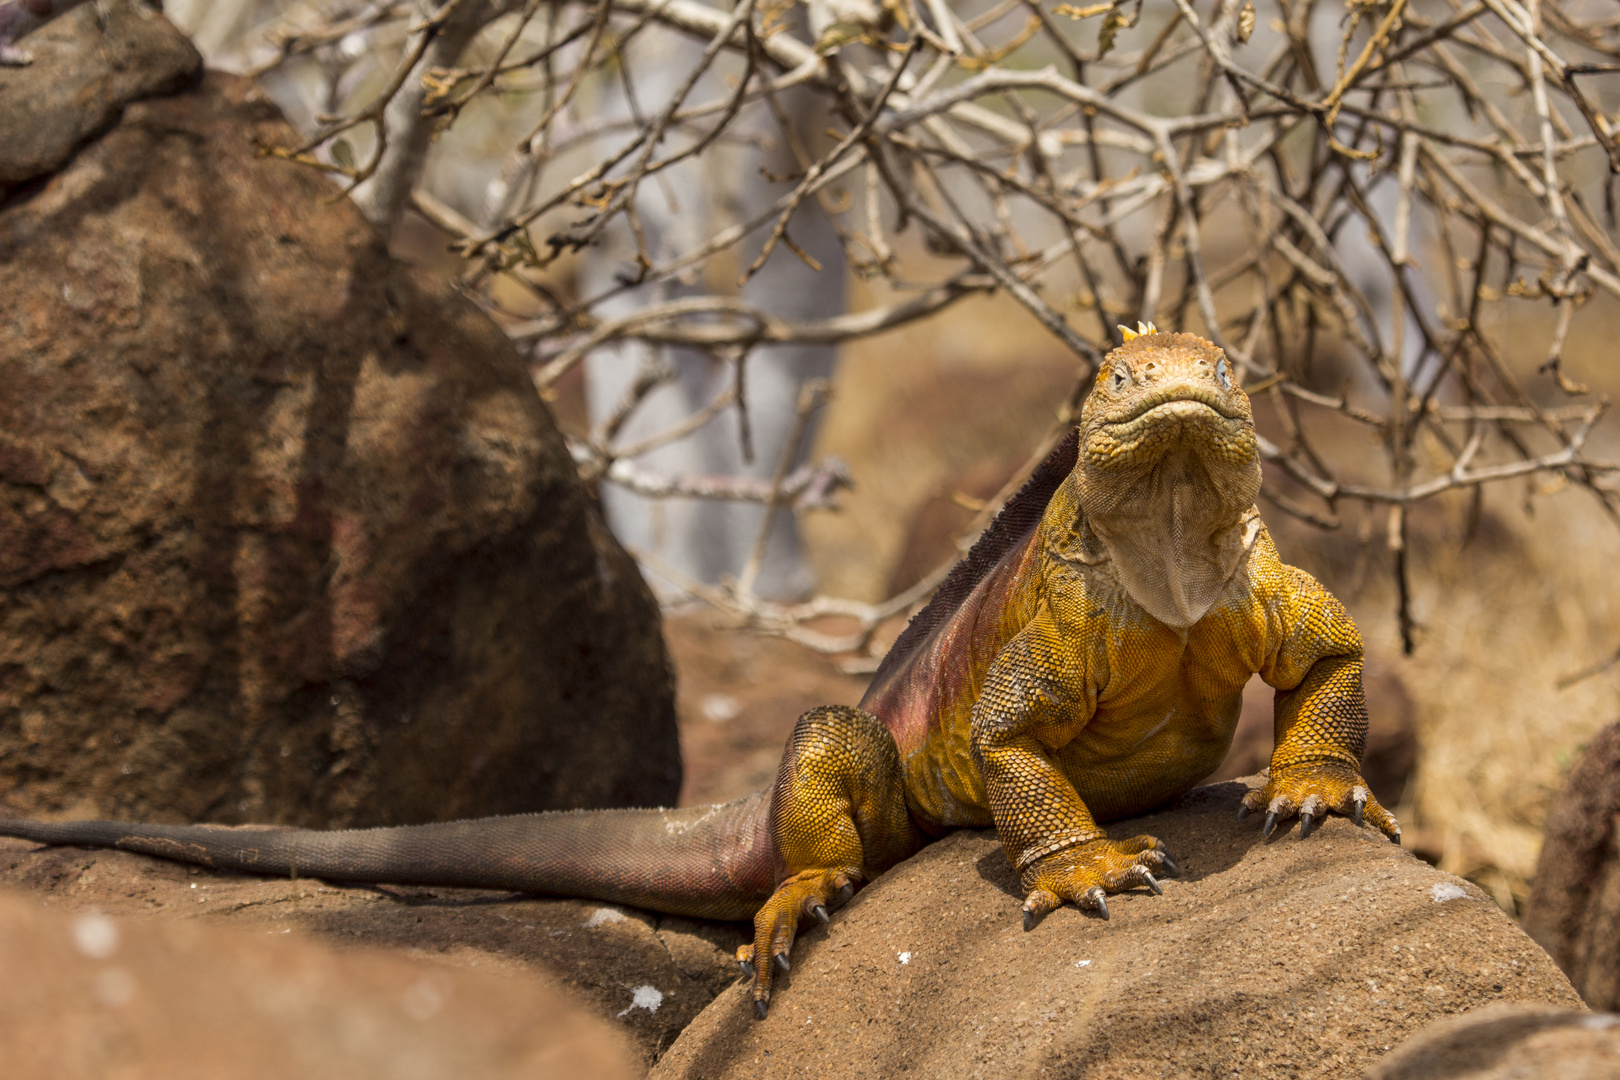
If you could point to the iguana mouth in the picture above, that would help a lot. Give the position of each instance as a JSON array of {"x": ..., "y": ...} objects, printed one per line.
[{"x": 1169, "y": 397}]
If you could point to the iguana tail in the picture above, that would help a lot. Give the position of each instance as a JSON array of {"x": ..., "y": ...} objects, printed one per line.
[{"x": 711, "y": 862}]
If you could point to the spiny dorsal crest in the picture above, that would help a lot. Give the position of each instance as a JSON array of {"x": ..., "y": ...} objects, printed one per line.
[{"x": 1141, "y": 328}]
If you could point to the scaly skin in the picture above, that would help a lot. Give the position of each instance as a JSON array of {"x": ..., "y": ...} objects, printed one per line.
[{"x": 1085, "y": 663}]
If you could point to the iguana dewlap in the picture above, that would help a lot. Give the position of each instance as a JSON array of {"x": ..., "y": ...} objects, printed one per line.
[{"x": 1084, "y": 663}]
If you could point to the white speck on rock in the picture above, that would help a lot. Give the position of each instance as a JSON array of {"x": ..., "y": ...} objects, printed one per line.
[
  {"x": 604, "y": 915},
  {"x": 720, "y": 708},
  {"x": 114, "y": 987},
  {"x": 1082, "y": 963},
  {"x": 96, "y": 936},
  {"x": 1442, "y": 891},
  {"x": 644, "y": 997},
  {"x": 424, "y": 1000},
  {"x": 905, "y": 958}
]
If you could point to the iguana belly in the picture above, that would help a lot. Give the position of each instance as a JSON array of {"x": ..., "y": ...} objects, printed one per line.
[
  {"x": 1162, "y": 721},
  {"x": 1121, "y": 763}
]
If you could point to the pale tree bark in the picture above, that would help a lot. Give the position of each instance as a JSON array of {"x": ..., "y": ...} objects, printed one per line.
[
  {"x": 708, "y": 540},
  {"x": 382, "y": 197}
]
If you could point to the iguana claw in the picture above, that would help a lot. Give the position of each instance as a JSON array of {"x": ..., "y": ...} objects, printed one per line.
[
  {"x": 799, "y": 898},
  {"x": 1243, "y": 811},
  {"x": 1314, "y": 789},
  {"x": 1087, "y": 872},
  {"x": 760, "y": 1008}
]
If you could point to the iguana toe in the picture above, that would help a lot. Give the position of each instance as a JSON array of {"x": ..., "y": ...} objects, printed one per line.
[
  {"x": 1087, "y": 872},
  {"x": 1313, "y": 790},
  {"x": 801, "y": 897}
]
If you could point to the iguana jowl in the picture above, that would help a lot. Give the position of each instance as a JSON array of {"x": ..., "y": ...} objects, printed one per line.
[{"x": 1084, "y": 663}]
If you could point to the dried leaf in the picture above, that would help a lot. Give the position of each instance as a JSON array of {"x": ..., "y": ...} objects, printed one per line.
[
  {"x": 343, "y": 154},
  {"x": 1245, "y": 22},
  {"x": 838, "y": 35},
  {"x": 1116, "y": 21},
  {"x": 1082, "y": 13}
]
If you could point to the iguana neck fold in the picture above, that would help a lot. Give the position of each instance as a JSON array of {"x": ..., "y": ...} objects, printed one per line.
[{"x": 1167, "y": 475}]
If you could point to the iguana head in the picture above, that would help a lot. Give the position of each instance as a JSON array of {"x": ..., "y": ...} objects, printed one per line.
[
  {"x": 1161, "y": 397},
  {"x": 1169, "y": 469}
]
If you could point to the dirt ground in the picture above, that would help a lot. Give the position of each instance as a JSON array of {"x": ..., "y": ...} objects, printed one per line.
[{"x": 737, "y": 698}]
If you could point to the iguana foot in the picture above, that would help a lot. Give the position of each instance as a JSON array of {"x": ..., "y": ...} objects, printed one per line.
[
  {"x": 1086, "y": 873},
  {"x": 1313, "y": 789},
  {"x": 810, "y": 894}
]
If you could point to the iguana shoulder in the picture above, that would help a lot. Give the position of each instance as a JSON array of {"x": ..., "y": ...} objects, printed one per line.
[{"x": 934, "y": 664}]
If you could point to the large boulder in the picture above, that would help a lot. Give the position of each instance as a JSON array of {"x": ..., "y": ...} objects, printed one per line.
[
  {"x": 286, "y": 534},
  {"x": 1574, "y": 909},
  {"x": 1285, "y": 958},
  {"x": 88, "y": 996},
  {"x": 1509, "y": 1042}
]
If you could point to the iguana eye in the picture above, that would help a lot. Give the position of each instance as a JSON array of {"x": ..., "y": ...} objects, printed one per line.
[
  {"x": 1121, "y": 377},
  {"x": 1223, "y": 374}
]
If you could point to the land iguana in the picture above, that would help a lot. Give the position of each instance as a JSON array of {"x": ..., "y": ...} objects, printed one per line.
[{"x": 1084, "y": 663}]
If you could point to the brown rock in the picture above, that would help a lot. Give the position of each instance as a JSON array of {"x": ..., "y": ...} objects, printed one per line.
[
  {"x": 285, "y": 532},
  {"x": 87, "y": 66},
  {"x": 1288, "y": 958},
  {"x": 89, "y": 996},
  {"x": 1574, "y": 909},
  {"x": 646, "y": 976},
  {"x": 1509, "y": 1042}
]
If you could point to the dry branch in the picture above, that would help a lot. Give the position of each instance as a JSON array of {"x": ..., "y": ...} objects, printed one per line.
[{"x": 992, "y": 147}]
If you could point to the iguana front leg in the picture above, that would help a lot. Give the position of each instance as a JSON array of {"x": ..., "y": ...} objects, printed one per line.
[
  {"x": 1321, "y": 720},
  {"x": 1035, "y": 700}
]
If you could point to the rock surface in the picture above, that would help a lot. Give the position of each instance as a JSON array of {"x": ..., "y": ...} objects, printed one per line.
[
  {"x": 87, "y": 66},
  {"x": 285, "y": 533},
  {"x": 1509, "y": 1042},
  {"x": 1287, "y": 958},
  {"x": 644, "y": 976},
  {"x": 1574, "y": 909},
  {"x": 90, "y": 996}
]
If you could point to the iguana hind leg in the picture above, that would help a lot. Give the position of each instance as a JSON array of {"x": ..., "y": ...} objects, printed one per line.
[{"x": 838, "y": 819}]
